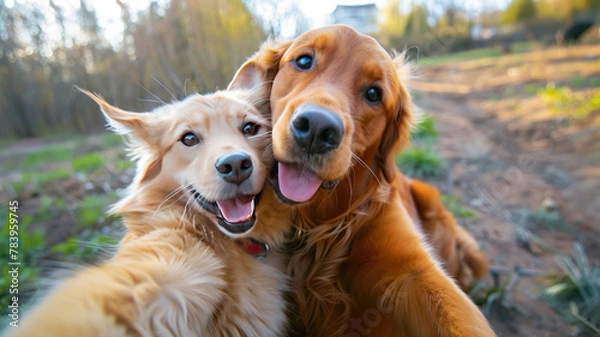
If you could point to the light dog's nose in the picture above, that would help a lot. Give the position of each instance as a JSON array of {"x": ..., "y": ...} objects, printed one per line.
[
  {"x": 234, "y": 167},
  {"x": 316, "y": 130}
]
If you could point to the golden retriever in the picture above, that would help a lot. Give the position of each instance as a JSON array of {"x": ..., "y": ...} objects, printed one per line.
[
  {"x": 340, "y": 112},
  {"x": 194, "y": 260}
]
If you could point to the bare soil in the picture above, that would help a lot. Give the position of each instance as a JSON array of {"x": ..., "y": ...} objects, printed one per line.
[{"x": 507, "y": 150}]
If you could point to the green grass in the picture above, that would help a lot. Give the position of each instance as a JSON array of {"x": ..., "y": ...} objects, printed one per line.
[
  {"x": 523, "y": 47},
  {"x": 461, "y": 56},
  {"x": 575, "y": 293},
  {"x": 544, "y": 219},
  {"x": 31, "y": 245},
  {"x": 122, "y": 165},
  {"x": 42, "y": 178},
  {"x": 594, "y": 82},
  {"x": 112, "y": 140},
  {"x": 420, "y": 162},
  {"x": 76, "y": 249},
  {"x": 456, "y": 206},
  {"x": 563, "y": 101},
  {"x": 425, "y": 129},
  {"x": 49, "y": 207},
  {"x": 532, "y": 89},
  {"x": 48, "y": 154},
  {"x": 480, "y": 53},
  {"x": 578, "y": 81},
  {"x": 91, "y": 210},
  {"x": 88, "y": 163}
]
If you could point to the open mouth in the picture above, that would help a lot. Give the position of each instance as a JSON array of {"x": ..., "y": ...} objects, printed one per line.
[
  {"x": 235, "y": 215},
  {"x": 295, "y": 183}
]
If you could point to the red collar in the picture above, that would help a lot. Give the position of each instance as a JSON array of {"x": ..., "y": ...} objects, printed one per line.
[{"x": 254, "y": 247}]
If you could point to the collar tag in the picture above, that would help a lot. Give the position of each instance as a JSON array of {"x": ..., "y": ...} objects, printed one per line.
[{"x": 255, "y": 248}]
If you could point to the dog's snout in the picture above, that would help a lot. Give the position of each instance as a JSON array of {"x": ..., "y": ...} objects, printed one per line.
[
  {"x": 234, "y": 167},
  {"x": 317, "y": 130}
]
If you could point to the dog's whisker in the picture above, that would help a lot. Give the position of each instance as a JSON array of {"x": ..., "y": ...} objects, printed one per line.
[
  {"x": 362, "y": 163},
  {"x": 165, "y": 87},
  {"x": 149, "y": 100},
  {"x": 168, "y": 197},
  {"x": 151, "y": 93}
]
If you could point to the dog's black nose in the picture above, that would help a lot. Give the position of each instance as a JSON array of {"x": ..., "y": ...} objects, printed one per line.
[
  {"x": 234, "y": 167},
  {"x": 316, "y": 130}
]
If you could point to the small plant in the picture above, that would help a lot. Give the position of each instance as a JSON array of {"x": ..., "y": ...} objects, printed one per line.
[
  {"x": 578, "y": 81},
  {"x": 76, "y": 249},
  {"x": 456, "y": 206},
  {"x": 49, "y": 154},
  {"x": 575, "y": 295},
  {"x": 425, "y": 129},
  {"x": 39, "y": 179},
  {"x": 88, "y": 163},
  {"x": 49, "y": 207},
  {"x": 594, "y": 82},
  {"x": 420, "y": 162},
  {"x": 111, "y": 140},
  {"x": 564, "y": 102},
  {"x": 91, "y": 210},
  {"x": 551, "y": 220},
  {"x": 31, "y": 247},
  {"x": 531, "y": 89},
  {"x": 499, "y": 296},
  {"x": 123, "y": 165}
]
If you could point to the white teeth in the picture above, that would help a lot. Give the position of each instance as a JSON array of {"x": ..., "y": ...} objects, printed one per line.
[{"x": 251, "y": 210}]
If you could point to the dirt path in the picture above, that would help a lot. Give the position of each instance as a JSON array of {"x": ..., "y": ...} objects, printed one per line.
[{"x": 507, "y": 155}]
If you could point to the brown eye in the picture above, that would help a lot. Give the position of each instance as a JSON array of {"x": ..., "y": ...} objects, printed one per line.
[
  {"x": 190, "y": 139},
  {"x": 250, "y": 129}
]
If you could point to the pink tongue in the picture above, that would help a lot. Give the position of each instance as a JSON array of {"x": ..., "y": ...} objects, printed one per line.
[
  {"x": 238, "y": 209},
  {"x": 296, "y": 183}
]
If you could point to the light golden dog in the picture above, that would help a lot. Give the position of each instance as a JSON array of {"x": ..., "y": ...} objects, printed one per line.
[
  {"x": 340, "y": 112},
  {"x": 193, "y": 261}
]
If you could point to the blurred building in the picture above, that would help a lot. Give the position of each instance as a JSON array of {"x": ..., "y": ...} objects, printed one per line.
[{"x": 363, "y": 18}]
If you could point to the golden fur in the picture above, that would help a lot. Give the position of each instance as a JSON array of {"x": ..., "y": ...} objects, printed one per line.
[
  {"x": 175, "y": 273},
  {"x": 364, "y": 268}
]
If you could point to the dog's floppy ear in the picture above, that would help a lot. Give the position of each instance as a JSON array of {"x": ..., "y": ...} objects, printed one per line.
[
  {"x": 397, "y": 132},
  {"x": 260, "y": 69}
]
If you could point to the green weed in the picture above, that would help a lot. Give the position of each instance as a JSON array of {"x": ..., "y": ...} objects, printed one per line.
[
  {"x": 31, "y": 246},
  {"x": 456, "y": 206},
  {"x": 578, "y": 81},
  {"x": 564, "y": 102},
  {"x": 531, "y": 89},
  {"x": 42, "y": 178},
  {"x": 48, "y": 154},
  {"x": 88, "y": 163},
  {"x": 523, "y": 47},
  {"x": 550, "y": 220},
  {"x": 420, "y": 162},
  {"x": 575, "y": 294},
  {"x": 425, "y": 129},
  {"x": 594, "y": 82},
  {"x": 91, "y": 209},
  {"x": 75, "y": 249},
  {"x": 500, "y": 296},
  {"x": 466, "y": 55},
  {"x": 111, "y": 140},
  {"x": 123, "y": 165}
]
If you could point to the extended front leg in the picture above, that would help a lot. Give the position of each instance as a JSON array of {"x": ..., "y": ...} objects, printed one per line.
[{"x": 401, "y": 290}]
